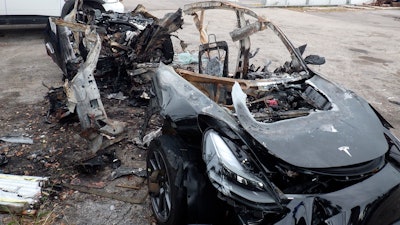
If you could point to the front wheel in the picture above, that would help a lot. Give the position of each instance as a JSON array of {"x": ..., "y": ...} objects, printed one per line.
[{"x": 165, "y": 175}]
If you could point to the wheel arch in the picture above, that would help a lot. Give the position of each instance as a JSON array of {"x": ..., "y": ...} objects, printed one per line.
[
  {"x": 69, "y": 5},
  {"x": 208, "y": 121},
  {"x": 190, "y": 177},
  {"x": 164, "y": 157}
]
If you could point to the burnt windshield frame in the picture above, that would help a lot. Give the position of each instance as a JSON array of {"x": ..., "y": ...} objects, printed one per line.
[{"x": 243, "y": 32}]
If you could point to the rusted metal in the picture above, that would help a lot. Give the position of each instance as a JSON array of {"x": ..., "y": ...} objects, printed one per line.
[
  {"x": 242, "y": 64},
  {"x": 248, "y": 30},
  {"x": 73, "y": 26},
  {"x": 250, "y": 87},
  {"x": 200, "y": 6},
  {"x": 205, "y": 78}
]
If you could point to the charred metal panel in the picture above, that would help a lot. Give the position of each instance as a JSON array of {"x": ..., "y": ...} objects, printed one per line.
[
  {"x": 178, "y": 98},
  {"x": 113, "y": 48},
  {"x": 82, "y": 92},
  {"x": 128, "y": 40},
  {"x": 200, "y": 6}
]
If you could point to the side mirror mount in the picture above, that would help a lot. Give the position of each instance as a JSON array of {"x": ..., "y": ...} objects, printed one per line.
[{"x": 315, "y": 60}]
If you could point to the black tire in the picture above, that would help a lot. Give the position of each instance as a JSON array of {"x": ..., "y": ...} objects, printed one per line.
[
  {"x": 165, "y": 180},
  {"x": 69, "y": 5}
]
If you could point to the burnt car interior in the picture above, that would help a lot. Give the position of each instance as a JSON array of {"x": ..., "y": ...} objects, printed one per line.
[{"x": 274, "y": 94}]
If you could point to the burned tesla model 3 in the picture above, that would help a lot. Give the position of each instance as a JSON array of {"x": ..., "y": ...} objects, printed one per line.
[{"x": 266, "y": 146}]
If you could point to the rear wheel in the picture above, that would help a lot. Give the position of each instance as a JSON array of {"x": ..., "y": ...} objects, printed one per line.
[
  {"x": 69, "y": 5},
  {"x": 165, "y": 176}
]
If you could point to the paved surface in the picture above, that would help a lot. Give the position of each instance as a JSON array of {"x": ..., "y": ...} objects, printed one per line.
[{"x": 362, "y": 48}]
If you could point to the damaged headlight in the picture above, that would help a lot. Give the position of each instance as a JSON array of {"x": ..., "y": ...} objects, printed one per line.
[{"x": 228, "y": 174}]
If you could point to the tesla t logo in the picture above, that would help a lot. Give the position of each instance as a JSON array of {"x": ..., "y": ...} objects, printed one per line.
[{"x": 345, "y": 149}]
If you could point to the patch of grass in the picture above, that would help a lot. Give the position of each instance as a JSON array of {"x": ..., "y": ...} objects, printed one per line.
[{"x": 41, "y": 218}]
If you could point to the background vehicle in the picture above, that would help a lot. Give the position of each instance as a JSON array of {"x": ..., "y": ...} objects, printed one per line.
[
  {"x": 26, "y": 11},
  {"x": 266, "y": 146}
]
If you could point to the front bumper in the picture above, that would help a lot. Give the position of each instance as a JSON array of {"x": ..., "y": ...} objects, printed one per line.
[{"x": 372, "y": 201}]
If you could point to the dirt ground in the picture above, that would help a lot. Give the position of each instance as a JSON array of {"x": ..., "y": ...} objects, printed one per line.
[{"x": 361, "y": 46}]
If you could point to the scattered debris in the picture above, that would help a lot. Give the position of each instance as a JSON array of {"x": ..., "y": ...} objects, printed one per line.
[
  {"x": 114, "y": 50},
  {"x": 17, "y": 139},
  {"x": 123, "y": 171},
  {"x": 129, "y": 41},
  {"x": 58, "y": 104},
  {"x": 128, "y": 187},
  {"x": 88, "y": 184},
  {"x": 3, "y": 159},
  {"x": 20, "y": 194},
  {"x": 186, "y": 58},
  {"x": 83, "y": 96},
  {"x": 144, "y": 143},
  {"x": 93, "y": 165},
  {"x": 118, "y": 96},
  {"x": 104, "y": 193}
]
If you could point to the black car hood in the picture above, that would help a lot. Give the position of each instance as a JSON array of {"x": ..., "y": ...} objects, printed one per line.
[{"x": 349, "y": 133}]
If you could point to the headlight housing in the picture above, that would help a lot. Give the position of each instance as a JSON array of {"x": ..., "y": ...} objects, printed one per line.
[{"x": 229, "y": 174}]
